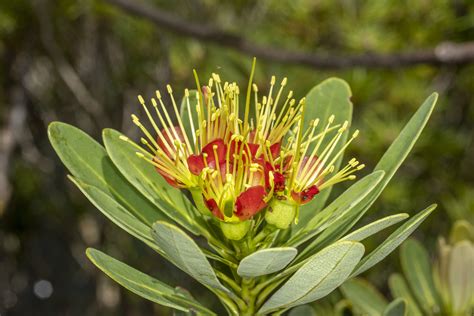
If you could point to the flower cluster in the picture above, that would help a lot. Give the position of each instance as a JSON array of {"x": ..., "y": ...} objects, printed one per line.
[{"x": 240, "y": 158}]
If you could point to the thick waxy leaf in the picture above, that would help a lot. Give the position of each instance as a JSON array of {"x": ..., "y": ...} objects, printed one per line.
[
  {"x": 88, "y": 162},
  {"x": 375, "y": 227},
  {"x": 144, "y": 285},
  {"x": 396, "y": 308},
  {"x": 417, "y": 270},
  {"x": 337, "y": 210},
  {"x": 389, "y": 163},
  {"x": 147, "y": 180},
  {"x": 303, "y": 310},
  {"x": 323, "y": 273},
  {"x": 364, "y": 297},
  {"x": 266, "y": 261},
  {"x": 330, "y": 97},
  {"x": 393, "y": 241},
  {"x": 116, "y": 213},
  {"x": 399, "y": 289},
  {"x": 184, "y": 253}
]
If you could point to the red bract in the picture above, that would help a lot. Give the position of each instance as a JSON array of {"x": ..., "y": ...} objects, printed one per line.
[
  {"x": 250, "y": 202},
  {"x": 305, "y": 196},
  {"x": 197, "y": 162},
  {"x": 212, "y": 206},
  {"x": 279, "y": 182}
]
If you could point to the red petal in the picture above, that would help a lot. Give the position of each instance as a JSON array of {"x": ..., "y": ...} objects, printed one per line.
[
  {"x": 253, "y": 149},
  {"x": 221, "y": 151},
  {"x": 305, "y": 196},
  {"x": 195, "y": 164},
  {"x": 250, "y": 202},
  {"x": 212, "y": 206},
  {"x": 275, "y": 150}
]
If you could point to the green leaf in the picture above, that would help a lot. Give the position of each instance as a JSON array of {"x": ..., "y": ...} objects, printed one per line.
[
  {"x": 145, "y": 179},
  {"x": 183, "y": 252},
  {"x": 116, "y": 213},
  {"x": 323, "y": 273},
  {"x": 303, "y": 310},
  {"x": 187, "y": 112},
  {"x": 461, "y": 276},
  {"x": 375, "y": 227},
  {"x": 330, "y": 97},
  {"x": 144, "y": 285},
  {"x": 266, "y": 261},
  {"x": 389, "y": 163},
  {"x": 395, "y": 308},
  {"x": 399, "y": 289},
  {"x": 364, "y": 297},
  {"x": 417, "y": 270},
  {"x": 337, "y": 210},
  {"x": 88, "y": 162},
  {"x": 393, "y": 241}
]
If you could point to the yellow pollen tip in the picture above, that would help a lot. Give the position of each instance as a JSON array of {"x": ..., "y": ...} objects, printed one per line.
[
  {"x": 122, "y": 137},
  {"x": 272, "y": 81},
  {"x": 356, "y": 133},
  {"x": 186, "y": 93},
  {"x": 140, "y": 155},
  {"x": 168, "y": 87},
  {"x": 158, "y": 94},
  {"x": 255, "y": 88},
  {"x": 141, "y": 100},
  {"x": 331, "y": 119},
  {"x": 283, "y": 82},
  {"x": 361, "y": 167},
  {"x": 351, "y": 177},
  {"x": 153, "y": 102}
]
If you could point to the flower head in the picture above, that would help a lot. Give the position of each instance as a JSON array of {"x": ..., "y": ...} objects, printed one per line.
[{"x": 240, "y": 159}]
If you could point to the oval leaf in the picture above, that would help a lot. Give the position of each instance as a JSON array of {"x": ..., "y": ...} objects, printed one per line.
[
  {"x": 266, "y": 261},
  {"x": 330, "y": 97},
  {"x": 417, "y": 269},
  {"x": 393, "y": 241},
  {"x": 399, "y": 289},
  {"x": 88, "y": 162},
  {"x": 144, "y": 177},
  {"x": 144, "y": 285},
  {"x": 323, "y": 273},
  {"x": 364, "y": 297},
  {"x": 396, "y": 308},
  {"x": 375, "y": 227},
  {"x": 183, "y": 252}
]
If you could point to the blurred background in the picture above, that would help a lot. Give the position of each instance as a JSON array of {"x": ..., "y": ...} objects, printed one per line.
[{"x": 84, "y": 62}]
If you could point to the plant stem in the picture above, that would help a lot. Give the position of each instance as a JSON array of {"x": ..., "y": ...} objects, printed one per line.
[{"x": 248, "y": 297}]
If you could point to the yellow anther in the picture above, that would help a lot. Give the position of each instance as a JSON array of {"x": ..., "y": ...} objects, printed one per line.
[
  {"x": 123, "y": 137},
  {"x": 141, "y": 100},
  {"x": 186, "y": 93},
  {"x": 168, "y": 87},
  {"x": 158, "y": 94}
]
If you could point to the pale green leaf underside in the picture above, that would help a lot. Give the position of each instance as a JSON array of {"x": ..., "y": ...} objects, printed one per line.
[
  {"x": 87, "y": 161},
  {"x": 147, "y": 180},
  {"x": 303, "y": 310},
  {"x": 144, "y": 285},
  {"x": 364, "y": 297},
  {"x": 374, "y": 227},
  {"x": 266, "y": 261},
  {"x": 184, "y": 253},
  {"x": 393, "y": 241},
  {"x": 323, "y": 273}
]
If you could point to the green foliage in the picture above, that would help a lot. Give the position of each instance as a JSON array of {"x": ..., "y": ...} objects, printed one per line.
[{"x": 247, "y": 276}]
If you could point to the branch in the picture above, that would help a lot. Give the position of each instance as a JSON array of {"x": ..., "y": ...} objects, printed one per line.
[{"x": 443, "y": 54}]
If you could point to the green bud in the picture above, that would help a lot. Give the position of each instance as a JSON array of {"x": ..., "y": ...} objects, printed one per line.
[
  {"x": 281, "y": 213},
  {"x": 235, "y": 230}
]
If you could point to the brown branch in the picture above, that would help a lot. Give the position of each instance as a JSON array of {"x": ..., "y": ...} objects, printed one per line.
[{"x": 442, "y": 54}]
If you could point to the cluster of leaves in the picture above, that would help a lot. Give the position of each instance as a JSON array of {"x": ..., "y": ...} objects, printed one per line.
[
  {"x": 443, "y": 288},
  {"x": 311, "y": 261}
]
